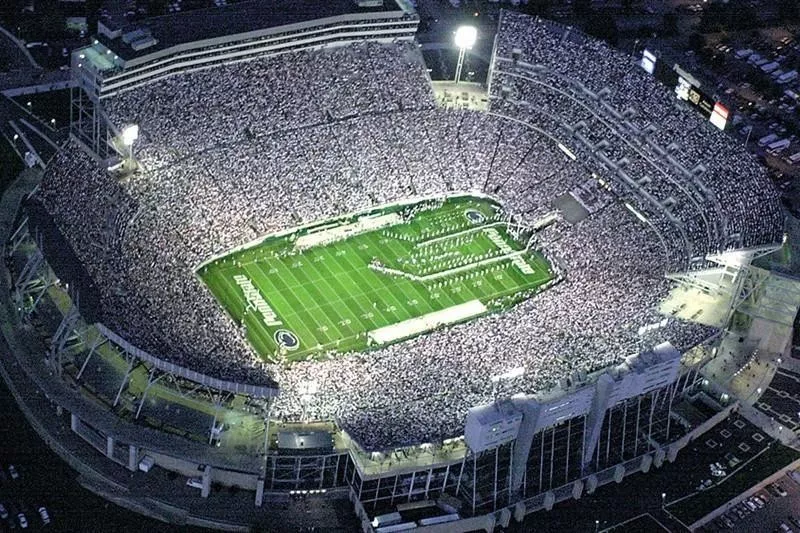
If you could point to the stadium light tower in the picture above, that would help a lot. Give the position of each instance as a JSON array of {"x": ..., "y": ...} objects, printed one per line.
[
  {"x": 465, "y": 40},
  {"x": 129, "y": 135}
]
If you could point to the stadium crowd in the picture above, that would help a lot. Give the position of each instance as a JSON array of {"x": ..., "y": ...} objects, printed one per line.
[
  {"x": 231, "y": 153},
  {"x": 681, "y": 167}
]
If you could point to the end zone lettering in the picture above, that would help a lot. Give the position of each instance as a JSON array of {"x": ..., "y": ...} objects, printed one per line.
[{"x": 255, "y": 299}]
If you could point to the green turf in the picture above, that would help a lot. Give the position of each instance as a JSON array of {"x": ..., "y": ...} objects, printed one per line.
[{"x": 329, "y": 296}]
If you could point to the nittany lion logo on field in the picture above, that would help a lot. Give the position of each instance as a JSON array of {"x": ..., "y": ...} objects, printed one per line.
[
  {"x": 476, "y": 217},
  {"x": 286, "y": 339}
]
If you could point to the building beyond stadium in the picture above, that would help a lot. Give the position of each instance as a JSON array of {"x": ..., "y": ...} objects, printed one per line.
[{"x": 576, "y": 162}]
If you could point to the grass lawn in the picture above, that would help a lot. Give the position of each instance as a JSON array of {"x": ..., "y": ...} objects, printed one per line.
[{"x": 376, "y": 277}]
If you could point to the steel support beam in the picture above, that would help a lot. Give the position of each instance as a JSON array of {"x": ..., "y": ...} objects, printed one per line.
[
  {"x": 152, "y": 377},
  {"x": 131, "y": 360}
]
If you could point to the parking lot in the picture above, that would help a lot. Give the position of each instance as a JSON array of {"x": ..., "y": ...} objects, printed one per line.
[
  {"x": 726, "y": 461},
  {"x": 765, "y": 511},
  {"x": 781, "y": 400},
  {"x": 19, "y": 509}
]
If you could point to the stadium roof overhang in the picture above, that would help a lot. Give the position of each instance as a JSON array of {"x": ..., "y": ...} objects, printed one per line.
[{"x": 240, "y": 21}]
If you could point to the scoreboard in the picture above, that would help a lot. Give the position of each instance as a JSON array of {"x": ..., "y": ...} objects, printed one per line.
[
  {"x": 686, "y": 87},
  {"x": 687, "y": 92}
]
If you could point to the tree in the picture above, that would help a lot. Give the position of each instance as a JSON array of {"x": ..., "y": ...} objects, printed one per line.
[
  {"x": 627, "y": 6},
  {"x": 582, "y": 8},
  {"x": 697, "y": 41},
  {"x": 603, "y": 26},
  {"x": 539, "y": 8},
  {"x": 669, "y": 24},
  {"x": 51, "y": 20},
  {"x": 788, "y": 10}
]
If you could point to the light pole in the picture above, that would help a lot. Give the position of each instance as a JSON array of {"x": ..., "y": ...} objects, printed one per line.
[
  {"x": 663, "y": 498},
  {"x": 129, "y": 135},
  {"x": 465, "y": 39}
]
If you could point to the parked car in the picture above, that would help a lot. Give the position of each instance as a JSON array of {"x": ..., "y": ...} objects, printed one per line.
[
  {"x": 12, "y": 470},
  {"x": 44, "y": 515},
  {"x": 772, "y": 488},
  {"x": 779, "y": 490},
  {"x": 23, "y": 522},
  {"x": 3, "y": 512}
]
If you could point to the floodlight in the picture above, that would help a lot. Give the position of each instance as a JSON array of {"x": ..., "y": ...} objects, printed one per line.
[
  {"x": 130, "y": 134},
  {"x": 466, "y": 36},
  {"x": 511, "y": 374},
  {"x": 514, "y": 373}
]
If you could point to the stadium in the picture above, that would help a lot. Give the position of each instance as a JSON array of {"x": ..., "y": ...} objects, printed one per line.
[{"x": 348, "y": 285}]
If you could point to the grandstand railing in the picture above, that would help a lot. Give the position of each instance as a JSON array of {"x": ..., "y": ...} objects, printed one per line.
[{"x": 257, "y": 391}]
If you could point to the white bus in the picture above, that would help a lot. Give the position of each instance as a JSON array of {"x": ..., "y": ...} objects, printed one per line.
[
  {"x": 779, "y": 146},
  {"x": 794, "y": 158}
]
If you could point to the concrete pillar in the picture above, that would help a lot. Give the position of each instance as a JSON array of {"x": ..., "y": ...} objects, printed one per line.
[
  {"x": 519, "y": 511},
  {"x": 206, "y": 490},
  {"x": 505, "y": 517},
  {"x": 74, "y": 422},
  {"x": 491, "y": 522},
  {"x": 577, "y": 489},
  {"x": 591, "y": 484},
  {"x": 619, "y": 473},
  {"x": 531, "y": 410},
  {"x": 109, "y": 446},
  {"x": 647, "y": 461},
  {"x": 658, "y": 460},
  {"x": 259, "y": 492},
  {"x": 549, "y": 500},
  {"x": 597, "y": 414},
  {"x": 133, "y": 456},
  {"x": 672, "y": 452}
]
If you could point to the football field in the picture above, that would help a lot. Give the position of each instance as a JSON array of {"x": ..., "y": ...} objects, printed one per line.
[{"x": 376, "y": 277}]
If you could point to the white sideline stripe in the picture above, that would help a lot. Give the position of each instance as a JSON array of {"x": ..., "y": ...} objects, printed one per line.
[
  {"x": 414, "y": 326},
  {"x": 338, "y": 233}
]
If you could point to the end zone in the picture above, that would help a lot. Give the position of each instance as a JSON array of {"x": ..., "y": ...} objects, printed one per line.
[{"x": 427, "y": 322}]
